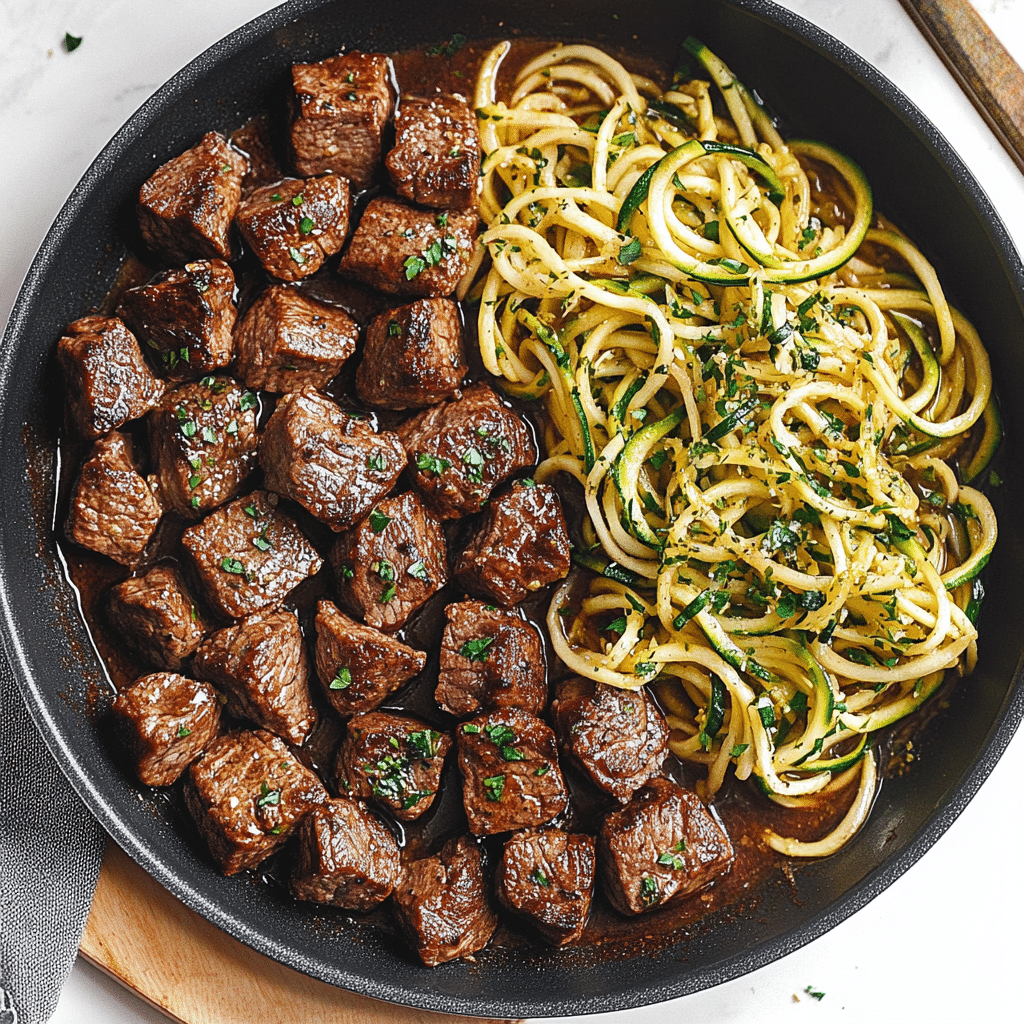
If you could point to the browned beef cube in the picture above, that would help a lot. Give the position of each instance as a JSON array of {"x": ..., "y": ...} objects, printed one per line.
[
  {"x": 520, "y": 546},
  {"x": 413, "y": 356},
  {"x": 203, "y": 437},
  {"x": 113, "y": 511},
  {"x": 510, "y": 773},
  {"x": 339, "y": 109},
  {"x": 441, "y": 903},
  {"x": 156, "y": 616},
  {"x": 261, "y": 662},
  {"x": 490, "y": 658},
  {"x": 247, "y": 794},
  {"x": 393, "y": 759},
  {"x": 359, "y": 666},
  {"x": 547, "y": 877},
  {"x": 392, "y": 562},
  {"x": 332, "y": 464},
  {"x": 403, "y": 250},
  {"x": 294, "y": 225},
  {"x": 287, "y": 341},
  {"x": 185, "y": 318},
  {"x": 618, "y": 737},
  {"x": 436, "y": 158},
  {"x": 187, "y": 206},
  {"x": 249, "y": 555},
  {"x": 345, "y": 857},
  {"x": 166, "y": 720},
  {"x": 663, "y": 844},
  {"x": 460, "y": 451},
  {"x": 108, "y": 382}
]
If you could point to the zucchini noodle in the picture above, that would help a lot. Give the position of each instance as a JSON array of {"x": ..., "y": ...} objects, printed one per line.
[{"x": 770, "y": 406}]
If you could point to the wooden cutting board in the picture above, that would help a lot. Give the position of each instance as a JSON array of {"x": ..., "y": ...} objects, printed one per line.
[{"x": 188, "y": 968}]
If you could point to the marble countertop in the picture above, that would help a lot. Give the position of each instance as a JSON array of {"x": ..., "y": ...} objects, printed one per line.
[{"x": 944, "y": 942}]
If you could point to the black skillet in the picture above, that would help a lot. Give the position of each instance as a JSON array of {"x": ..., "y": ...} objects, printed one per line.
[{"x": 819, "y": 89}]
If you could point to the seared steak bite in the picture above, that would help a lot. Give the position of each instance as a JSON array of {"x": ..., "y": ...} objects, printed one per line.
[
  {"x": 392, "y": 562},
  {"x": 331, "y": 463},
  {"x": 461, "y": 450},
  {"x": 618, "y": 737},
  {"x": 247, "y": 794},
  {"x": 166, "y": 720},
  {"x": 113, "y": 512},
  {"x": 339, "y": 108},
  {"x": 403, "y": 250},
  {"x": 510, "y": 773},
  {"x": 490, "y": 658},
  {"x": 663, "y": 844},
  {"x": 393, "y": 759},
  {"x": 345, "y": 857},
  {"x": 287, "y": 341},
  {"x": 156, "y": 616},
  {"x": 184, "y": 318},
  {"x": 293, "y": 225},
  {"x": 436, "y": 157},
  {"x": 441, "y": 903},
  {"x": 187, "y": 206},
  {"x": 249, "y": 556},
  {"x": 546, "y": 876},
  {"x": 358, "y": 665},
  {"x": 520, "y": 546},
  {"x": 108, "y": 382},
  {"x": 261, "y": 663},
  {"x": 203, "y": 437},
  {"x": 413, "y": 356}
]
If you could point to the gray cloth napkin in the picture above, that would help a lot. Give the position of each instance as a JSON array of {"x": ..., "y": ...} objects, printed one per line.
[{"x": 50, "y": 852}]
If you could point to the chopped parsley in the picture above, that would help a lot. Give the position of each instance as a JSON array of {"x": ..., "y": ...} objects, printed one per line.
[
  {"x": 72, "y": 43},
  {"x": 268, "y": 797},
  {"x": 233, "y": 565},
  {"x": 378, "y": 462},
  {"x": 540, "y": 878},
  {"x": 419, "y": 572},
  {"x": 432, "y": 463},
  {"x": 649, "y": 891},
  {"x": 494, "y": 787},
  {"x": 426, "y": 742},
  {"x": 476, "y": 650},
  {"x": 306, "y": 225},
  {"x": 378, "y": 520},
  {"x": 342, "y": 679},
  {"x": 184, "y": 731}
]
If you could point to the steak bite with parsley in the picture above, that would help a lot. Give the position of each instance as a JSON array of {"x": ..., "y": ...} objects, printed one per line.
[
  {"x": 107, "y": 381},
  {"x": 333, "y": 464},
  {"x": 393, "y": 759},
  {"x": 436, "y": 157},
  {"x": 294, "y": 225},
  {"x": 461, "y": 450},
  {"x": 157, "y": 617},
  {"x": 166, "y": 720},
  {"x": 339, "y": 107},
  {"x": 402, "y": 250},
  {"x": 662, "y": 845},
  {"x": 413, "y": 356},
  {"x": 510, "y": 774},
  {"x": 392, "y": 562},
  {"x": 345, "y": 857},
  {"x": 490, "y": 658},
  {"x": 546, "y": 877},
  {"x": 247, "y": 794},
  {"x": 520, "y": 546},
  {"x": 261, "y": 663},
  {"x": 249, "y": 556},
  {"x": 187, "y": 205},
  {"x": 441, "y": 903},
  {"x": 203, "y": 439},
  {"x": 617, "y": 737},
  {"x": 358, "y": 665},
  {"x": 185, "y": 318},
  {"x": 113, "y": 510},
  {"x": 287, "y": 341}
]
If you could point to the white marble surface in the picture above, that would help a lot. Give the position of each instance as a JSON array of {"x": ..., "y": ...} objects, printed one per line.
[{"x": 944, "y": 943}]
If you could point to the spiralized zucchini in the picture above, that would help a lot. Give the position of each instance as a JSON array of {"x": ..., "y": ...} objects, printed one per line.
[{"x": 765, "y": 397}]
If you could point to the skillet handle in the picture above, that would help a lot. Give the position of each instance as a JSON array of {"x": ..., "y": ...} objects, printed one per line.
[{"x": 990, "y": 77}]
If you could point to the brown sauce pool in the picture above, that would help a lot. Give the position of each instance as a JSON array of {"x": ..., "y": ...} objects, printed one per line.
[{"x": 742, "y": 810}]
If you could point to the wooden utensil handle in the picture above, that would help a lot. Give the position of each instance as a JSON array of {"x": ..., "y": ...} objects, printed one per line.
[{"x": 986, "y": 72}]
